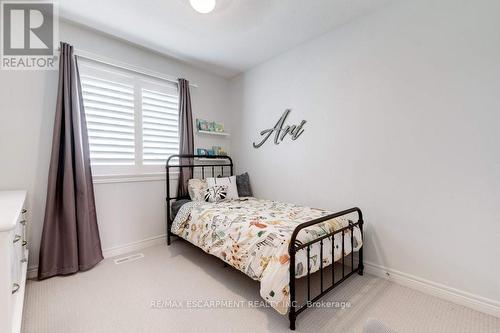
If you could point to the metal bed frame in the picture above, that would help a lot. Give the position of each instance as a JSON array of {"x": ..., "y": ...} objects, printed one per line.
[{"x": 295, "y": 245}]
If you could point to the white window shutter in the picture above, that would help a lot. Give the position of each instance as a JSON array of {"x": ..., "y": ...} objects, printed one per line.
[
  {"x": 160, "y": 124},
  {"x": 132, "y": 120},
  {"x": 109, "y": 109}
]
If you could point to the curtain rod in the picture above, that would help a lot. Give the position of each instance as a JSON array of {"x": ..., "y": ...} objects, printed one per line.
[{"x": 125, "y": 66}]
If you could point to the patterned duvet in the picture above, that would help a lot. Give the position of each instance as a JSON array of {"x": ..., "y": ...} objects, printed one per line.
[{"x": 253, "y": 235}]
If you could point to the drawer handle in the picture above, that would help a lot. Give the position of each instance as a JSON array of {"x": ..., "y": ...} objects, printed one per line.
[
  {"x": 15, "y": 288},
  {"x": 17, "y": 238},
  {"x": 23, "y": 222},
  {"x": 23, "y": 211},
  {"x": 25, "y": 243}
]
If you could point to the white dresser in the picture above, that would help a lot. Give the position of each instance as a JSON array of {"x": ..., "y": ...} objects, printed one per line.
[{"x": 13, "y": 259}]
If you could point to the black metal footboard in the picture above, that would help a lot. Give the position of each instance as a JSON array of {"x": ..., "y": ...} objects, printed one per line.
[{"x": 296, "y": 309}]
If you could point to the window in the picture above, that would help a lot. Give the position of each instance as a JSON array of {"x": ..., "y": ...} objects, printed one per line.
[{"x": 132, "y": 120}]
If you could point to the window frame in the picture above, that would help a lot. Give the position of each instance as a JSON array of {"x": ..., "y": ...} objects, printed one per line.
[{"x": 139, "y": 81}]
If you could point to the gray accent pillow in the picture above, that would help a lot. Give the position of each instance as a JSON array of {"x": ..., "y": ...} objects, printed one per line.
[
  {"x": 243, "y": 185},
  {"x": 176, "y": 205}
]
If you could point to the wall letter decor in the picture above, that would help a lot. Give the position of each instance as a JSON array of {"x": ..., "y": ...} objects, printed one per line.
[{"x": 280, "y": 132}]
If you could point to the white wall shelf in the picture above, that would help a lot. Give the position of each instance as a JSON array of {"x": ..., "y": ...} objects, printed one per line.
[
  {"x": 213, "y": 133},
  {"x": 206, "y": 159}
]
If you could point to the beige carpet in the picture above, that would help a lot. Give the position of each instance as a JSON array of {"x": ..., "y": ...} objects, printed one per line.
[{"x": 118, "y": 298}]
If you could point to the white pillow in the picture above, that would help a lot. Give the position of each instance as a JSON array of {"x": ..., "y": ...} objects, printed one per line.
[
  {"x": 228, "y": 182},
  {"x": 196, "y": 189}
]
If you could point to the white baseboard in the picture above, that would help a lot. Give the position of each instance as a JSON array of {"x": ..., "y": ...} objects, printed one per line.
[
  {"x": 117, "y": 250},
  {"x": 460, "y": 297},
  {"x": 134, "y": 246}
]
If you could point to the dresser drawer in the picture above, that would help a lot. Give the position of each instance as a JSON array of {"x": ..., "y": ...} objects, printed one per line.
[
  {"x": 13, "y": 259},
  {"x": 22, "y": 226},
  {"x": 16, "y": 256}
]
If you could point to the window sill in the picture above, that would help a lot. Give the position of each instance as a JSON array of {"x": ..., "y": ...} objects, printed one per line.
[{"x": 148, "y": 177}]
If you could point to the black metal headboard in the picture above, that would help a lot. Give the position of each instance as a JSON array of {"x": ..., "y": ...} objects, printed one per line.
[{"x": 207, "y": 168}]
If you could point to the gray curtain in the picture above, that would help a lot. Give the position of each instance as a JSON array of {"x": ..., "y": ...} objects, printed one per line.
[
  {"x": 70, "y": 238},
  {"x": 185, "y": 134}
]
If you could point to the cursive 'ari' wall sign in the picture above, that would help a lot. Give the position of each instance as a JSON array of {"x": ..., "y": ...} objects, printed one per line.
[{"x": 281, "y": 131}]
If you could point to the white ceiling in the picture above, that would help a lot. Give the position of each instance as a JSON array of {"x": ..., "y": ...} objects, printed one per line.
[{"x": 236, "y": 36}]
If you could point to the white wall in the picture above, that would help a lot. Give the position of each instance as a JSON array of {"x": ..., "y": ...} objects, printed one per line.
[
  {"x": 402, "y": 111},
  {"x": 127, "y": 212}
]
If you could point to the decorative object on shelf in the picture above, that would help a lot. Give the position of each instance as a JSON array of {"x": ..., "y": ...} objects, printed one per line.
[
  {"x": 202, "y": 125},
  {"x": 281, "y": 131},
  {"x": 217, "y": 150},
  {"x": 214, "y": 151},
  {"x": 201, "y": 151},
  {"x": 209, "y": 126},
  {"x": 218, "y": 127}
]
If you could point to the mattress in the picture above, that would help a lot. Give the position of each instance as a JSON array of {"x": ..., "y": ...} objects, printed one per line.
[
  {"x": 253, "y": 236},
  {"x": 176, "y": 206}
]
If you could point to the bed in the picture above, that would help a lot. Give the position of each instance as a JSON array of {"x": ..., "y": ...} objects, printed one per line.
[{"x": 273, "y": 242}]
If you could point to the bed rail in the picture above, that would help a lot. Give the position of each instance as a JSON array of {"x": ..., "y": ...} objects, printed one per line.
[{"x": 294, "y": 247}]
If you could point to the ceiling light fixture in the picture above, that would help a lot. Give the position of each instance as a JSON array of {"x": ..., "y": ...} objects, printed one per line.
[{"x": 203, "y": 6}]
